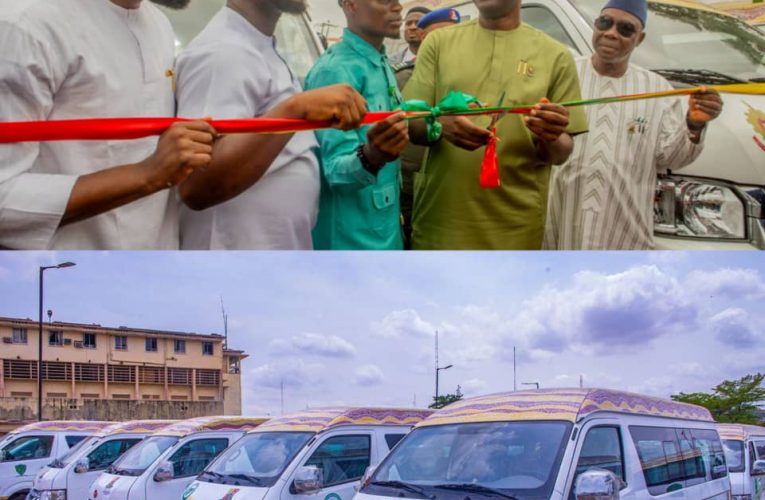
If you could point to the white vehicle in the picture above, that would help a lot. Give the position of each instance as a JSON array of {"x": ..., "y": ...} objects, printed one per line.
[
  {"x": 316, "y": 454},
  {"x": 557, "y": 444},
  {"x": 71, "y": 475},
  {"x": 162, "y": 465},
  {"x": 718, "y": 201},
  {"x": 745, "y": 453},
  {"x": 31, "y": 447}
]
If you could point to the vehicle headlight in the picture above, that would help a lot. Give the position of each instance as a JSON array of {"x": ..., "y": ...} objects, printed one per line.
[
  {"x": 698, "y": 208},
  {"x": 52, "y": 495}
]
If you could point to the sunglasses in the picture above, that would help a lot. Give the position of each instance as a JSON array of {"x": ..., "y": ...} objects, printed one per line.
[{"x": 625, "y": 29}]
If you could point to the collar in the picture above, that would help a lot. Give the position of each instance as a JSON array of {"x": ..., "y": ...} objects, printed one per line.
[
  {"x": 245, "y": 27},
  {"x": 363, "y": 48}
]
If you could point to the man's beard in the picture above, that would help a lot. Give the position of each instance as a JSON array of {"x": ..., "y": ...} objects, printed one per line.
[
  {"x": 173, "y": 4},
  {"x": 291, "y": 6}
]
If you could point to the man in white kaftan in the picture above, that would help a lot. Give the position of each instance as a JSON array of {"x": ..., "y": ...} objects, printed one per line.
[
  {"x": 70, "y": 59},
  {"x": 603, "y": 197}
]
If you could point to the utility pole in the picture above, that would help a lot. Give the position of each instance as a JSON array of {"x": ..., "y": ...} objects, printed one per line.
[
  {"x": 282, "y": 395},
  {"x": 515, "y": 385},
  {"x": 225, "y": 323},
  {"x": 581, "y": 381}
]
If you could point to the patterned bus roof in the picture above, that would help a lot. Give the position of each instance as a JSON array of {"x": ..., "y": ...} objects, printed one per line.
[
  {"x": 560, "y": 404},
  {"x": 739, "y": 432},
  {"x": 219, "y": 423},
  {"x": 320, "y": 419},
  {"x": 91, "y": 426},
  {"x": 135, "y": 427}
]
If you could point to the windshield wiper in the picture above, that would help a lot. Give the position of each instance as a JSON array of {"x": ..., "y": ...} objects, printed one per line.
[
  {"x": 402, "y": 486},
  {"x": 476, "y": 488},
  {"x": 759, "y": 79},
  {"x": 213, "y": 475},
  {"x": 255, "y": 481},
  {"x": 124, "y": 472},
  {"x": 694, "y": 76}
]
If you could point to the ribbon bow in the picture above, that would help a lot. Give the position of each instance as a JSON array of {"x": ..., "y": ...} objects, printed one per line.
[{"x": 452, "y": 103}]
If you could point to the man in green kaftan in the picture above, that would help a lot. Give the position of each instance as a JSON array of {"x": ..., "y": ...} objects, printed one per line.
[{"x": 491, "y": 57}]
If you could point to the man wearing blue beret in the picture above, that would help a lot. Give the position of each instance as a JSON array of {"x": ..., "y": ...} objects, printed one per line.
[{"x": 603, "y": 197}]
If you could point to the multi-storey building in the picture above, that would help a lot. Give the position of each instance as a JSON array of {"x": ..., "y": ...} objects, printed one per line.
[{"x": 88, "y": 362}]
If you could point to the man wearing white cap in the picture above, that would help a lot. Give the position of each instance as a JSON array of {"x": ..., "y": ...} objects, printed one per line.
[{"x": 602, "y": 198}]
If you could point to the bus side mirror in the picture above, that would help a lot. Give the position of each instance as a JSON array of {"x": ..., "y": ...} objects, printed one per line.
[
  {"x": 308, "y": 480},
  {"x": 758, "y": 468},
  {"x": 164, "y": 472},
  {"x": 597, "y": 484},
  {"x": 82, "y": 466}
]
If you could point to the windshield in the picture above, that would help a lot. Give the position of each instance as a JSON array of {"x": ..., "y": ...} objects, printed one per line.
[
  {"x": 70, "y": 455},
  {"x": 681, "y": 38},
  {"x": 138, "y": 458},
  {"x": 517, "y": 459},
  {"x": 257, "y": 459},
  {"x": 734, "y": 455}
]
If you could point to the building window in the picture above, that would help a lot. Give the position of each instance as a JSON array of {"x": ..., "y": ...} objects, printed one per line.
[
  {"x": 120, "y": 343},
  {"x": 57, "y": 395},
  {"x": 180, "y": 347},
  {"x": 151, "y": 344},
  {"x": 15, "y": 394},
  {"x": 207, "y": 348},
  {"x": 120, "y": 396},
  {"x": 55, "y": 337},
  {"x": 179, "y": 398},
  {"x": 89, "y": 340},
  {"x": 19, "y": 336},
  {"x": 89, "y": 395}
]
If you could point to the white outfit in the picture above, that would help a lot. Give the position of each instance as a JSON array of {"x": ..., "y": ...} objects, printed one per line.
[
  {"x": 603, "y": 196},
  {"x": 68, "y": 59},
  {"x": 232, "y": 70}
]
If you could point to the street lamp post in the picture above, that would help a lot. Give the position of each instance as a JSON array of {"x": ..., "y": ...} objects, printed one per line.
[
  {"x": 438, "y": 369},
  {"x": 40, "y": 337}
]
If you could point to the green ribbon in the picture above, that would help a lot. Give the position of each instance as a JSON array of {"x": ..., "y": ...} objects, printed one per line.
[{"x": 453, "y": 102}]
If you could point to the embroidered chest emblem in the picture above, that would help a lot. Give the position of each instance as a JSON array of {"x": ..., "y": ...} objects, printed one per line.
[
  {"x": 524, "y": 68},
  {"x": 637, "y": 125}
]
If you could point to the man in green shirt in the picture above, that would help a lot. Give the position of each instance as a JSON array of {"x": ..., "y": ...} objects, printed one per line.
[
  {"x": 492, "y": 56},
  {"x": 359, "y": 201}
]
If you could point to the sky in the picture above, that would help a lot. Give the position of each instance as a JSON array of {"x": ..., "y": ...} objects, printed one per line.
[{"x": 359, "y": 328}]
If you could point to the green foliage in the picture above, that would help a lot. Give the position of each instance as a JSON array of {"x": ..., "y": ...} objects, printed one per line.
[
  {"x": 731, "y": 401},
  {"x": 446, "y": 399}
]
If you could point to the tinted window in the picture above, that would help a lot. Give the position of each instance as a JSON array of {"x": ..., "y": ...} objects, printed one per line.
[
  {"x": 734, "y": 455},
  {"x": 193, "y": 456},
  {"x": 105, "y": 454},
  {"x": 542, "y": 19},
  {"x": 342, "y": 458},
  {"x": 602, "y": 449},
  {"x": 759, "y": 446},
  {"x": 27, "y": 448},
  {"x": 141, "y": 456},
  {"x": 392, "y": 439},
  {"x": 73, "y": 440},
  {"x": 674, "y": 458}
]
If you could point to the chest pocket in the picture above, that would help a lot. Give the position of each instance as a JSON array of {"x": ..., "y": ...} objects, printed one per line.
[{"x": 384, "y": 196}]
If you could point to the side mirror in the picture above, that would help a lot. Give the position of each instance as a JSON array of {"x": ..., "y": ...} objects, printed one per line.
[
  {"x": 758, "y": 468},
  {"x": 164, "y": 472},
  {"x": 597, "y": 484},
  {"x": 3, "y": 455},
  {"x": 308, "y": 480},
  {"x": 82, "y": 466}
]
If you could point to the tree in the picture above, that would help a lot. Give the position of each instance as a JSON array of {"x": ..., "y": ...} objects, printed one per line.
[
  {"x": 732, "y": 401},
  {"x": 446, "y": 399}
]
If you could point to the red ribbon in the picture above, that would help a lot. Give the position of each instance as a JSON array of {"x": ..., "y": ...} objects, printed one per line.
[
  {"x": 136, "y": 128},
  {"x": 489, "y": 168}
]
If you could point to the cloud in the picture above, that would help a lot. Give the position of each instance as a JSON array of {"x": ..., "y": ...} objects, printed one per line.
[
  {"x": 474, "y": 387},
  {"x": 405, "y": 323},
  {"x": 368, "y": 375},
  {"x": 734, "y": 327},
  {"x": 727, "y": 283},
  {"x": 329, "y": 346},
  {"x": 293, "y": 373},
  {"x": 601, "y": 312}
]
